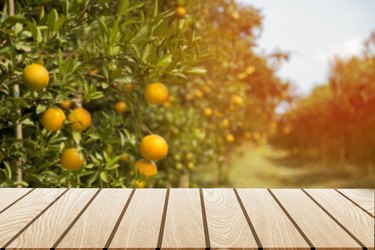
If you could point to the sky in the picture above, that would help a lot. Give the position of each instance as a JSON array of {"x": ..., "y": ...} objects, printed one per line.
[{"x": 313, "y": 32}]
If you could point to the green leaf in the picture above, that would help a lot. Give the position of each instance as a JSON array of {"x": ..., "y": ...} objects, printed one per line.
[
  {"x": 123, "y": 7},
  {"x": 16, "y": 19},
  {"x": 167, "y": 59},
  {"x": 103, "y": 26},
  {"x": 105, "y": 176},
  {"x": 197, "y": 71},
  {"x": 52, "y": 17},
  {"x": 40, "y": 108},
  {"x": 59, "y": 23}
]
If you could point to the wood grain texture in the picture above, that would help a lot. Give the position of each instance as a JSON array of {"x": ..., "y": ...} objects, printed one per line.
[
  {"x": 227, "y": 225},
  {"x": 363, "y": 197},
  {"x": 95, "y": 225},
  {"x": 351, "y": 217},
  {"x": 140, "y": 225},
  {"x": 321, "y": 230},
  {"x": 269, "y": 221},
  {"x": 24, "y": 211},
  {"x": 44, "y": 232},
  {"x": 9, "y": 195},
  {"x": 184, "y": 223}
]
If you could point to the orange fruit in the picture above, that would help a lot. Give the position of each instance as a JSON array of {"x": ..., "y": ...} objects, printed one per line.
[
  {"x": 250, "y": 69},
  {"x": 128, "y": 87},
  {"x": 198, "y": 94},
  {"x": 247, "y": 135},
  {"x": 120, "y": 107},
  {"x": 153, "y": 147},
  {"x": 138, "y": 184},
  {"x": 207, "y": 112},
  {"x": 156, "y": 93},
  {"x": 35, "y": 76},
  {"x": 66, "y": 104},
  {"x": 80, "y": 119},
  {"x": 237, "y": 100},
  {"x": 145, "y": 168},
  {"x": 180, "y": 12},
  {"x": 53, "y": 119},
  {"x": 124, "y": 157},
  {"x": 229, "y": 138},
  {"x": 226, "y": 123},
  {"x": 72, "y": 159}
]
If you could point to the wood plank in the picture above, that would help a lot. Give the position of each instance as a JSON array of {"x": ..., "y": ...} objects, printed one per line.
[
  {"x": 351, "y": 217},
  {"x": 184, "y": 222},
  {"x": 319, "y": 228},
  {"x": 95, "y": 225},
  {"x": 227, "y": 224},
  {"x": 140, "y": 225},
  {"x": 44, "y": 232},
  {"x": 23, "y": 212},
  {"x": 10, "y": 195},
  {"x": 269, "y": 220},
  {"x": 365, "y": 198}
]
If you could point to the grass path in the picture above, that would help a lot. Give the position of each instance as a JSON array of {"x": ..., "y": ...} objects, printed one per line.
[{"x": 267, "y": 167}]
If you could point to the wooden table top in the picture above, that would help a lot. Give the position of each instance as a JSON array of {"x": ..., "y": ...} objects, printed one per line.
[{"x": 186, "y": 218}]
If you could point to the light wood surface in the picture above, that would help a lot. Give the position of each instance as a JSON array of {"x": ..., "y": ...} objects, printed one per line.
[
  {"x": 269, "y": 220},
  {"x": 351, "y": 217},
  {"x": 140, "y": 226},
  {"x": 365, "y": 198},
  {"x": 62, "y": 214},
  {"x": 186, "y": 219},
  {"x": 10, "y": 195},
  {"x": 95, "y": 225},
  {"x": 226, "y": 222},
  {"x": 184, "y": 222},
  {"x": 13, "y": 220},
  {"x": 314, "y": 222}
]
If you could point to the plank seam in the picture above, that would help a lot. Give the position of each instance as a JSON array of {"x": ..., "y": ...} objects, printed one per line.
[
  {"x": 204, "y": 218},
  {"x": 163, "y": 218},
  {"x": 335, "y": 220},
  {"x": 355, "y": 203},
  {"x": 252, "y": 228},
  {"x": 119, "y": 220},
  {"x": 34, "y": 219},
  {"x": 75, "y": 220},
  {"x": 14, "y": 202},
  {"x": 304, "y": 236}
]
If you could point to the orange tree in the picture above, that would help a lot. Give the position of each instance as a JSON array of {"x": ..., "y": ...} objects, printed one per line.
[
  {"x": 336, "y": 120},
  {"x": 207, "y": 117},
  {"x": 82, "y": 68}
]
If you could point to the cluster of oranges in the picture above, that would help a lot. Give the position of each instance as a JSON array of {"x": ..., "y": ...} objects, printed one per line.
[{"x": 152, "y": 147}]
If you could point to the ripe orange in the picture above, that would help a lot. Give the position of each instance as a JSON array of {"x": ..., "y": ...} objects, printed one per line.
[
  {"x": 237, "y": 100},
  {"x": 250, "y": 69},
  {"x": 156, "y": 93},
  {"x": 153, "y": 147},
  {"x": 120, "y": 107},
  {"x": 229, "y": 138},
  {"x": 66, "y": 104},
  {"x": 226, "y": 123},
  {"x": 247, "y": 135},
  {"x": 80, "y": 119},
  {"x": 35, "y": 76},
  {"x": 53, "y": 119},
  {"x": 207, "y": 112},
  {"x": 138, "y": 184},
  {"x": 128, "y": 87},
  {"x": 145, "y": 168},
  {"x": 72, "y": 159},
  {"x": 180, "y": 12}
]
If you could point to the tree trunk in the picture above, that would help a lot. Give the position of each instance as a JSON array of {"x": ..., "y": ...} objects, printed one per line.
[{"x": 16, "y": 94}]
